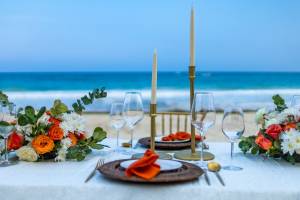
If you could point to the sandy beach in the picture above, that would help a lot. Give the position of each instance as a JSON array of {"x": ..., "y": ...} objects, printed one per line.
[{"x": 143, "y": 128}]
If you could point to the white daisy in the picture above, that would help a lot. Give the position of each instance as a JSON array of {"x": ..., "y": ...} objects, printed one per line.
[
  {"x": 44, "y": 119},
  {"x": 72, "y": 122},
  {"x": 290, "y": 141},
  {"x": 259, "y": 116}
]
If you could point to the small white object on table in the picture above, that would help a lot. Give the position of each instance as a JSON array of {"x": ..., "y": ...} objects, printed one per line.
[{"x": 260, "y": 179}]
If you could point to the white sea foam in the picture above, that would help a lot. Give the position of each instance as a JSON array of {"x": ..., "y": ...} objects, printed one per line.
[{"x": 167, "y": 99}]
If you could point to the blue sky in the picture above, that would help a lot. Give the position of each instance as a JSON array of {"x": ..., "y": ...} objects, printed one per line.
[{"x": 118, "y": 35}]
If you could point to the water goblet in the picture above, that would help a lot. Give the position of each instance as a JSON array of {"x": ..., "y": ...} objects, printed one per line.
[
  {"x": 117, "y": 121},
  {"x": 203, "y": 116},
  {"x": 233, "y": 127},
  {"x": 133, "y": 111},
  {"x": 7, "y": 119}
]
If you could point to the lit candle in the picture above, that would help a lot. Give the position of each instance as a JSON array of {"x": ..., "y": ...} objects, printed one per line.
[
  {"x": 154, "y": 78},
  {"x": 192, "y": 39}
]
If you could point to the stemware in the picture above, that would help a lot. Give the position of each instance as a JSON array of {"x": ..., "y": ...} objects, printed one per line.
[
  {"x": 7, "y": 115},
  {"x": 133, "y": 111},
  {"x": 116, "y": 120},
  {"x": 233, "y": 127},
  {"x": 295, "y": 101},
  {"x": 203, "y": 116}
]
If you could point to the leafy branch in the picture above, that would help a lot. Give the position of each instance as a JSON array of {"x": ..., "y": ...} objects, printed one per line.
[
  {"x": 4, "y": 99},
  {"x": 279, "y": 102},
  {"x": 80, "y": 104},
  {"x": 83, "y": 147}
]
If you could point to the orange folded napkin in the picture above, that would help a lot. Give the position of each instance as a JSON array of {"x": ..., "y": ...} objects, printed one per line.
[
  {"x": 180, "y": 136},
  {"x": 145, "y": 167}
]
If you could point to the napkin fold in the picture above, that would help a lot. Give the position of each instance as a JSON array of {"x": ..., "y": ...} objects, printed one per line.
[
  {"x": 180, "y": 136},
  {"x": 145, "y": 167}
]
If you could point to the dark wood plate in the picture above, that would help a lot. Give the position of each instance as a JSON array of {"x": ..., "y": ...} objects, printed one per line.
[
  {"x": 165, "y": 146},
  {"x": 187, "y": 172}
]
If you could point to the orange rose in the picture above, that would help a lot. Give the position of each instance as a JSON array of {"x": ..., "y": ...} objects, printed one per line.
[
  {"x": 42, "y": 144},
  {"x": 289, "y": 126},
  {"x": 14, "y": 141},
  {"x": 73, "y": 138},
  {"x": 263, "y": 142},
  {"x": 56, "y": 133}
]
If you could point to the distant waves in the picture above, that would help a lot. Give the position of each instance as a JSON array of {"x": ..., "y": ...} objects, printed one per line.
[{"x": 167, "y": 99}]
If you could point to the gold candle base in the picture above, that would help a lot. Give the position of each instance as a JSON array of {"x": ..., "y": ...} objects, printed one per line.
[{"x": 187, "y": 155}]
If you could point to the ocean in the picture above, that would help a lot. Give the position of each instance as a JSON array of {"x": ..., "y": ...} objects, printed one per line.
[{"x": 250, "y": 90}]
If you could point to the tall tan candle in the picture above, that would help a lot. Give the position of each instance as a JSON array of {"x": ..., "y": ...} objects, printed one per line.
[
  {"x": 192, "y": 38},
  {"x": 154, "y": 78}
]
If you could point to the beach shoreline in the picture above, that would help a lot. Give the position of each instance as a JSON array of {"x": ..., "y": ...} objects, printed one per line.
[{"x": 214, "y": 134}]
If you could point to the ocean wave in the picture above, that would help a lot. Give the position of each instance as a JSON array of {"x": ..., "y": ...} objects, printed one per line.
[{"x": 167, "y": 99}]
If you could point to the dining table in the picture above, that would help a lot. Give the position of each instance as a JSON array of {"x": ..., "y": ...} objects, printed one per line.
[{"x": 261, "y": 178}]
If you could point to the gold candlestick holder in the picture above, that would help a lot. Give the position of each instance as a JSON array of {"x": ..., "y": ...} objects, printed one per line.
[
  {"x": 153, "y": 125},
  {"x": 193, "y": 154},
  {"x": 153, "y": 115}
]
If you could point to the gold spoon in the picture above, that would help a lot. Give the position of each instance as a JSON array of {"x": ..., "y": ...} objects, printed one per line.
[{"x": 215, "y": 168}]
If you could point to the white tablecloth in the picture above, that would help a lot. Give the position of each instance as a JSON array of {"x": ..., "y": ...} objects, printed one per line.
[{"x": 260, "y": 179}]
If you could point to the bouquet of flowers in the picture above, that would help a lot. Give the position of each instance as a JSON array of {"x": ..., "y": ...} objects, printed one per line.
[
  {"x": 279, "y": 134},
  {"x": 56, "y": 133}
]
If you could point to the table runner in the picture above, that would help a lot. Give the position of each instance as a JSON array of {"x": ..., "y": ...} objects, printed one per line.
[{"x": 260, "y": 179}]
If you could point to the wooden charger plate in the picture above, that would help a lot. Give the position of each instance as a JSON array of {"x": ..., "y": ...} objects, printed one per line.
[
  {"x": 165, "y": 146},
  {"x": 187, "y": 172}
]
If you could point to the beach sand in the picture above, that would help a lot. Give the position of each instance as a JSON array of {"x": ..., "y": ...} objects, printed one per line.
[{"x": 143, "y": 128}]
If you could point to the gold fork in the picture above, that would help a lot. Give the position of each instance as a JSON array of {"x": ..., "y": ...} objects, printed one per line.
[{"x": 92, "y": 174}]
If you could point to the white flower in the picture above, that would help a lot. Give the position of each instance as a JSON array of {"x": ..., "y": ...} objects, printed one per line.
[
  {"x": 66, "y": 143},
  {"x": 291, "y": 111},
  {"x": 260, "y": 114},
  {"x": 72, "y": 122},
  {"x": 270, "y": 122},
  {"x": 62, "y": 153},
  {"x": 27, "y": 153},
  {"x": 44, "y": 119},
  {"x": 290, "y": 141},
  {"x": 27, "y": 130}
]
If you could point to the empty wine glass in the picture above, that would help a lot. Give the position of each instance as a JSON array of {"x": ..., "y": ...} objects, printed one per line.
[
  {"x": 296, "y": 102},
  {"x": 133, "y": 111},
  {"x": 203, "y": 116},
  {"x": 233, "y": 127},
  {"x": 7, "y": 119},
  {"x": 116, "y": 120}
]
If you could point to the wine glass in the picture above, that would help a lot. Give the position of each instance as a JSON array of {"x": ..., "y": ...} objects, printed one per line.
[
  {"x": 116, "y": 120},
  {"x": 7, "y": 118},
  {"x": 133, "y": 111},
  {"x": 203, "y": 116},
  {"x": 296, "y": 102},
  {"x": 233, "y": 127}
]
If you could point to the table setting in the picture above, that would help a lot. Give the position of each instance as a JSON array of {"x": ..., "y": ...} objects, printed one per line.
[{"x": 50, "y": 154}]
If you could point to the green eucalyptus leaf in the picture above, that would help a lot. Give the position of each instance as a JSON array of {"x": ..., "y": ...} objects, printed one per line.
[
  {"x": 29, "y": 111},
  {"x": 41, "y": 112},
  {"x": 22, "y": 120},
  {"x": 96, "y": 146},
  {"x": 99, "y": 134},
  {"x": 4, "y": 123}
]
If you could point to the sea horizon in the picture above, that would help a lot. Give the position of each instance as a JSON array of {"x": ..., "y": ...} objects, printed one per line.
[{"x": 250, "y": 90}]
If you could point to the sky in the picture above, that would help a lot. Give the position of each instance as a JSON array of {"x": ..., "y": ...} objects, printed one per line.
[{"x": 118, "y": 35}]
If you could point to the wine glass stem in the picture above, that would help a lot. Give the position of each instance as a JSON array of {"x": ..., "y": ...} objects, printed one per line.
[
  {"x": 202, "y": 155},
  {"x": 131, "y": 137},
  {"x": 6, "y": 153},
  {"x": 231, "y": 153},
  {"x": 118, "y": 132}
]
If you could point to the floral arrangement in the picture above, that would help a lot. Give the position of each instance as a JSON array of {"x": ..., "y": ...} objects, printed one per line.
[
  {"x": 279, "y": 134},
  {"x": 57, "y": 133}
]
